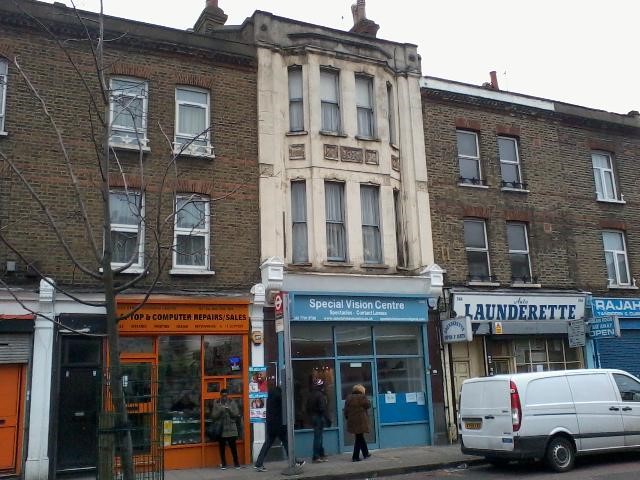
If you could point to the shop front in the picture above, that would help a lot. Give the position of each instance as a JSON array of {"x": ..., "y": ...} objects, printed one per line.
[
  {"x": 178, "y": 354},
  {"x": 378, "y": 340},
  {"x": 618, "y": 346}
]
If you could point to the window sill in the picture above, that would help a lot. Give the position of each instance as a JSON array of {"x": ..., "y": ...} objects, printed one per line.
[
  {"x": 332, "y": 134},
  {"x": 297, "y": 134},
  {"x": 394, "y": 146},
  {"x": 4, "y": 134},
  {"x": 131, "y": 147},
  {"x": 471, "y": 185},
  {"x": 604, "y": 200},
  {"x": 483, "y": 284},
  {"x": 208, "y": 156},
  {"x": 367, "y": 139},
  {"x": 378, "y": 266},
  {"x": 329, "y": 263},
  {"x": 189, "y": 271},
  {"x": 514, "y": 190},
  {"x": 622, "y": 287},
  {"x": 128, "y": 271},
  {"x": 301, "y": 264},
  {"x": 526, "y": 285}
]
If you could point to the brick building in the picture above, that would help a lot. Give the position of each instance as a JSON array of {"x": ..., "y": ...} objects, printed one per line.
[
  {"x": 532, "y": 208},
  {"x": 183, "y": 128}
]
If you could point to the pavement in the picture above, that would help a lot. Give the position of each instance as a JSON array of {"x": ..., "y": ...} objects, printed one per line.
[{"x": 391, "y": 461}]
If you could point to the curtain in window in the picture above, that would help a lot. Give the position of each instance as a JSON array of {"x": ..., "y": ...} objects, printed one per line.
[
  {"x": 299, "y": 219},
  {"x": 190, "y": 250},
  {"x": 364, "y": 105},
  {"x": 124, "y": 247},
  {"x": 296, "y": 120},
  {"x": 329, "y": 104},
  {"x": 334, "y": 211},
  {"x": 192, "y": 121},
  {"x": 370, "y": 205}
]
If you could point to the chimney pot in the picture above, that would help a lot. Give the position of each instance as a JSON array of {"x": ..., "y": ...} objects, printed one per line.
[
  {"x": 494, "y": 80},
  {"x": 212, "y": 3},
  {"x": 361, "y": 24}
]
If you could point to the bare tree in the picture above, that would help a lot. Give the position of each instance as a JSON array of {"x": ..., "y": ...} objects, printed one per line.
[{"x": 118, "y": 187}]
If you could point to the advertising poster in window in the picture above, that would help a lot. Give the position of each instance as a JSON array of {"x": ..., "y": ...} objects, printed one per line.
[{"x": 258, "y": 394}]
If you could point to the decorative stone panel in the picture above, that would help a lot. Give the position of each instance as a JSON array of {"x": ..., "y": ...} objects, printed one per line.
[
  {"x": 331, "y": 152},
  {"x": 296, "y": 151},
  {"x": 371, "y": 157},
  {"x": 395, "y": 162},
  {"x": 351, "y": 154}
]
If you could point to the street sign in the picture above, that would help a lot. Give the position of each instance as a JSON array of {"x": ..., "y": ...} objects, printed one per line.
[
  {"x": 457, "y": 330},
  {"x": 277, "y": 302},
  {"x": 576, "y": 333},
  {"x": 604, "y": 327}
]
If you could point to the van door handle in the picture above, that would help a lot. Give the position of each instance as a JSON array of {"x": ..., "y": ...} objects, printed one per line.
[
  {"x": 489, "y": 417},
  {"x": 627, "y": 409},
  {"x": 614, "y": 409}
]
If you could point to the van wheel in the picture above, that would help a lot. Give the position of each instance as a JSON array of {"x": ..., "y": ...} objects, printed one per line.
[{"x": 560, "y": 454}]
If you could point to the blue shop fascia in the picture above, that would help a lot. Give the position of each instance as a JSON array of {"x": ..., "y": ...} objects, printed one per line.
[{"x": 363, "y": 329}]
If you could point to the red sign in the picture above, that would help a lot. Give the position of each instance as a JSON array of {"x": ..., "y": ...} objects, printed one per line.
[{"x": 277, "y": 302}]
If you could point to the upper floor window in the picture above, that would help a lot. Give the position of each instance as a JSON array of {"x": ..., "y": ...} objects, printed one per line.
[
  {"x": 330, "y": 100},
  {"x": 401, "y": 237},
  {"x": 469, "y": 157},
  {"x": 3, "y": 90},
  {"x": 371, "y": 239},
  {"x": 192, "y": 136},
  {"x": 128, "y": 105},
  {"x": 127, "y": 228},
  {"x": 296, "y": 110},
  {"x": 191, "y": 233},
  {"x": 615, "y": 253},
  {"x": 364, "y": 106},
  {"x": 334, "y": 212},
  {"x": 300, "y": 253},
  {"x": 604, "y": 176},
  {"x": 475, "y": 242},
  {"x": 510, "y": 163},
  {"x": 391, "y": 115},
  {"x": 519, "y": 252}
]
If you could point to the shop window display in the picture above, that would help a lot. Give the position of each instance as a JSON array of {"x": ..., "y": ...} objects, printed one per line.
[
  {"x": 354, "y": 341},
  {"x": 304, "y": 373},
  {"x": 311, "y": 341},
  {"x": 222, "y": 355}
]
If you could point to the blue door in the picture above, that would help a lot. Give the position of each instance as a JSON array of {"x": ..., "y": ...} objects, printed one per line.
[{"x": 354, "y": 372}]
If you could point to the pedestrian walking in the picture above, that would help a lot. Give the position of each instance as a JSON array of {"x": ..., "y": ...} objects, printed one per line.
[
  {"x": 356, "y": 412},
  {"x": 317, "y": 409},
  {"x": 276, "y": 428},
  {"x": 227, "y": 412}
]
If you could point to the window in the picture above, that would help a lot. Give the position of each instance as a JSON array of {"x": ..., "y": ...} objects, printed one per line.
[
  {"x": 128, "y": 112},
  {"x": 469, "y": 157},
  {"x": 391, "y": 115},
  {"x": 629, "y": 388},
  {"x": 334, "y": 211},
  {"x": 519, "y": 252},
  {"x": 191, "y": 233},
  {"x": 475, "y": 242},
  {"x": 371, "y": 241},
  {"x": 330, "y": 100},
  {"x": 615, "y": 253},
  {"x": 364, "y": 106},
  {"x": 510, "y": 163},
  {"x": 192, "y": 136},
  {"x": 300, "y": 252},
  {"x": 296, "y": 111},
  {"x": 3, "y": 91},
  {"x": 603, "y": 175},
  {"x": 127, "y": 229},
  {"x": 401, "y": 238},
  {"x": 544, "y": 354}
]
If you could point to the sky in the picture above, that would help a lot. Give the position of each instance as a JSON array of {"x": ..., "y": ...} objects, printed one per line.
[{"x": 583, "y": 52}]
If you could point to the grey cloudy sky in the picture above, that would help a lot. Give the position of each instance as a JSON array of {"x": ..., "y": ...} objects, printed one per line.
[{"x": 578, "y": 51}]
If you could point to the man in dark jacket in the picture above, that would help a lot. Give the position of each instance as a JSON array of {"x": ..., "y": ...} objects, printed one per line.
[
  {"x": 276, "y": 428},
  {"x": 317, "y": 409}
]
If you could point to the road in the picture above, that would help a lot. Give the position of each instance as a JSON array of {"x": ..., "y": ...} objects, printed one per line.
[{"x": 607, "y": 467}]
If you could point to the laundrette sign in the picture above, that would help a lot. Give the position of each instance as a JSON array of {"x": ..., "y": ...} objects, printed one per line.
[
  {"x": 306, "y": 307},
  {"x": 519, "y": 307}
]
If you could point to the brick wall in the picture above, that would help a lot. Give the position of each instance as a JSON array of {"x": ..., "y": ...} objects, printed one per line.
[
  {"x": 563, "y": 217},
  {"x": 230, "y": 179}
]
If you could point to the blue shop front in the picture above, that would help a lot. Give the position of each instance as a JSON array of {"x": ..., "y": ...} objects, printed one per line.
[
  {"x": 611, "y": 350},
  {"x": 378, "y": 340}
]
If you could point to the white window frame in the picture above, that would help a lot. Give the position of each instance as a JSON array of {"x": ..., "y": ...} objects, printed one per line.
[
  {"x": 365, "y": 80},
  {"x": 299, "y": 221},
  {"x": 296, "y": 102},
  {"x": 600, "y": 173},
  {"x": 476, "y": 158},
  {"x": 391, "y": 119},
  {"x": 376, "y": 227},
  {"x": 477, "y": 249},
  {"x": 4, "y": 77},
  {"x": 138, "y": 266},
  {"x": 343, "y": 222},
  {"x": 336, "y": 74},
  {"x": 130, "y": 140},
  {"x": 199, "y": 232},
  {"x": 193, "y": 149},
  {"x": 615, "y": 282},
  {"x": 526, "y": 252},
  {"x": 505, "y": 183}
]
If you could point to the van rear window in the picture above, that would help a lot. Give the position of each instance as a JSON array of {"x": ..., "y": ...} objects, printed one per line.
[{"x": 492, "y": 394}]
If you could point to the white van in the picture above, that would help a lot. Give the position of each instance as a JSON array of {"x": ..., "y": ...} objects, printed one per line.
[{"x": 550, "y": 415}]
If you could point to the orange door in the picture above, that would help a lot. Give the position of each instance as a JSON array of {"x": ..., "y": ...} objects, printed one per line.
[{"x": 11, "y": 381}]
